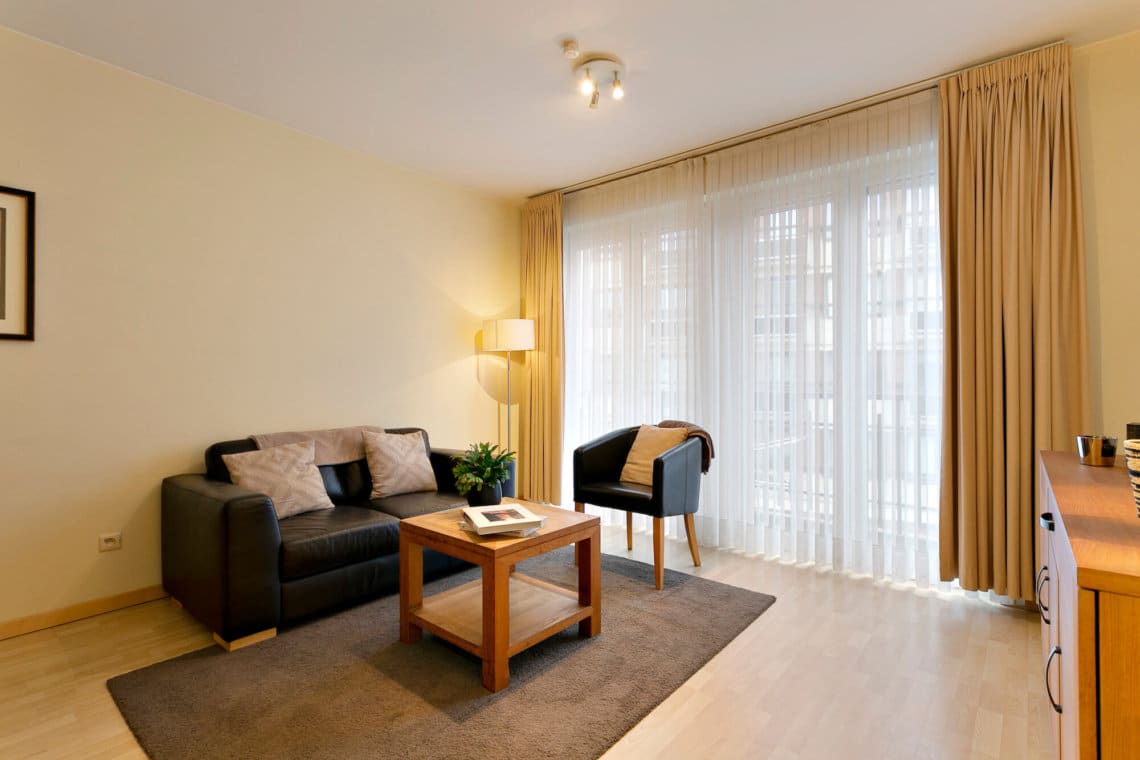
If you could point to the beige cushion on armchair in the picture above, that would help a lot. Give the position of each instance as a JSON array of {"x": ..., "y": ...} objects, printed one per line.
[{"x": 650, "y": 443}]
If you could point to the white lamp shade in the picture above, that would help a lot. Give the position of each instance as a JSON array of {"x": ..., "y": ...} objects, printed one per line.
[{"x": 508, "y": 334}]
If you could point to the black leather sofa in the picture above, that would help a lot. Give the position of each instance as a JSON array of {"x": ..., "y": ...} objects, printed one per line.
[{"x": 242, "y": 572}]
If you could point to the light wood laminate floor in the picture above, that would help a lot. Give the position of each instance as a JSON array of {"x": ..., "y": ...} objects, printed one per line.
[{"x": 839, "y": 667}]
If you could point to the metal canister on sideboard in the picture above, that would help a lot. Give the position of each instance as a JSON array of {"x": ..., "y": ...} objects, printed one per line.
[{"x": 1097, "y": 450}]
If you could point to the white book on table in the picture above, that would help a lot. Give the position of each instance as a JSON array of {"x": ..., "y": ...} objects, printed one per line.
[{"x": 502, "y": 518}]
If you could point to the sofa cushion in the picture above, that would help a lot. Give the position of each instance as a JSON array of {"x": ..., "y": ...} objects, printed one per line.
[
  {"x": 651, "y": 442},
  {"x": 398, "y": 463},
  {"x": 286, "y": 474},
  {"x": 412, "y": 504},
  {"x": 348, "y": 483},
  {"x": 318, "y": 541}
]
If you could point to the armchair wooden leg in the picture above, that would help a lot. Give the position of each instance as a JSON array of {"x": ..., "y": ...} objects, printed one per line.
[
  {"x": 629, "y": 531},
  {"x": 659, "y": 552},
  {"x": 691, "y": 532}
]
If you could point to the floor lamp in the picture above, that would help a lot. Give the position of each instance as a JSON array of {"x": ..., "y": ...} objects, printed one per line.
[{"x": 508, "y": 335}]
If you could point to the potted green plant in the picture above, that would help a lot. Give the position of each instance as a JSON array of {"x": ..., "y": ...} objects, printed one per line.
[{"x": 480, "y": 472}]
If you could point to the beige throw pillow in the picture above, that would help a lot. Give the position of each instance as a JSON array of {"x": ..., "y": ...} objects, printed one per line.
[
  {"x": 287, "y": 474},
  {"x": 398, "y": 463},
  {"x": 651, "y": 441}
]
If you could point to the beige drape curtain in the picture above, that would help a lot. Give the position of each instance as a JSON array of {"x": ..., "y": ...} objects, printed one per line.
[
  {"x": 540, "y": 424},
  {"x": 1016, "y": 371}
]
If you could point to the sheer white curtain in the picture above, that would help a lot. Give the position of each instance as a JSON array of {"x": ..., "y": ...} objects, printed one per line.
[
  {"x": 637, "y": 296},
  {"x": 785, "y": 294}
]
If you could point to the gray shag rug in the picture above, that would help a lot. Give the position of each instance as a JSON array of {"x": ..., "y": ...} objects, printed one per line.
[{"x": 344, "y": 686}]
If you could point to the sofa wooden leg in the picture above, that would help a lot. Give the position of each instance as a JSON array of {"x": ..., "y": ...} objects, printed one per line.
[
  {"x": 245, "y": 641},
  {"x": 659, "y": 552},
  {"x": 691, "y": 532},
  {"x": 629, "y": 531}
]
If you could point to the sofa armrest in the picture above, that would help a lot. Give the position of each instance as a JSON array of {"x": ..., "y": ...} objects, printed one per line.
[
  {"x": 442, "y": 462},
  {"x": 220, "y": 549},
  {"x": 601, "y": 460},
  {"x": 677, "y": 478}
]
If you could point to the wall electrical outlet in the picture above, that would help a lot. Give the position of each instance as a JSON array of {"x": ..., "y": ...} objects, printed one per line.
[{"x": 109, "y": 542}]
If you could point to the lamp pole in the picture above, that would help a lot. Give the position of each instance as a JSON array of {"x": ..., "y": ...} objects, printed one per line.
[
  {"x": 509, "y": 399},
  {"x": 508, "y": 336}
]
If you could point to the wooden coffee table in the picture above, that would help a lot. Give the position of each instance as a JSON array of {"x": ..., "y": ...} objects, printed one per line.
[{"x": 504, "y": 612}]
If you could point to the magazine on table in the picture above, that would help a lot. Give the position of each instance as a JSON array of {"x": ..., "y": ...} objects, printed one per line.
[
  {"x": 502, "y": 518},
  {"x": 465, "y": 524}
]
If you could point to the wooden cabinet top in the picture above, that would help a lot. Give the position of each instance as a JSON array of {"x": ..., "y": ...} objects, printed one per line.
[{"x": 1097, "y": 514}]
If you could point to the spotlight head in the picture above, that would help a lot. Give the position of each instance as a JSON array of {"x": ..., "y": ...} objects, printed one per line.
[{"x": 587, "y": 85}]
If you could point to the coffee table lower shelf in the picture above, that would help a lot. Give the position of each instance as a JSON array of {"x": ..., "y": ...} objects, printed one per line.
[{"x": 538, "y": 610}]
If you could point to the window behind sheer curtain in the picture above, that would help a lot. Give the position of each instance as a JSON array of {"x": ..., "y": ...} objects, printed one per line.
[{"x": 786, "y": 295}]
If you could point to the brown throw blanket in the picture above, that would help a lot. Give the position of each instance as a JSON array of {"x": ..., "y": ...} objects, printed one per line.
[
  {"x": 335, "y": 446},
  {"x": 695, "y": 431}
]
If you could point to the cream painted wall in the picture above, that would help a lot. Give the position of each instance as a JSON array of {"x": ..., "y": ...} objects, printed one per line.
[
  {"x": 203, "y": 274},
  {"x": 1107, "y": 94}
]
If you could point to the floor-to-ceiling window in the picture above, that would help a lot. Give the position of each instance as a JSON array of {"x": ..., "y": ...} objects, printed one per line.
[{"x": 786, "y": 295}]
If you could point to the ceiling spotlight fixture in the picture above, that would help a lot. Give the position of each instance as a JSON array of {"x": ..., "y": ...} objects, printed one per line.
[{"x": 592, "y": 68}]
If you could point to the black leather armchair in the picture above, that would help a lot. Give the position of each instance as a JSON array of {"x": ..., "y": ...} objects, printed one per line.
[{"x": 676, "y": 488}]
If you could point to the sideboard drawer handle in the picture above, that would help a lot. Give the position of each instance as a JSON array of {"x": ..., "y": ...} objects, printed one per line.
[
  {"x": 1042, "y": 608},
  {"x": 1046, "y": 521},
  {"x": 1049, "y": 689}
]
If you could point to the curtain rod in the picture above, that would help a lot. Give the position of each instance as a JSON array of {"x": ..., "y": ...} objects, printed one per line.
[{"x": 783, "y": 126}]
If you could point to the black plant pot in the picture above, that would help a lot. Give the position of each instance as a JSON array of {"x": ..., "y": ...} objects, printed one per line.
[{"x": 486, "y": 496}]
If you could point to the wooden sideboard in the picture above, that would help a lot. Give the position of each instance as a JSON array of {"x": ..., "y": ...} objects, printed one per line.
[{"x": 1088, "y": 590}]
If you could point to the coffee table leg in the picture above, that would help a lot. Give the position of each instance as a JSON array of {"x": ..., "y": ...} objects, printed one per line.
[
  {"x": 580, "y": 508},
  {"x": 411, "y": 587},
  {"x": 496, "y": 625},
  {"x": 589, "y": 555}
]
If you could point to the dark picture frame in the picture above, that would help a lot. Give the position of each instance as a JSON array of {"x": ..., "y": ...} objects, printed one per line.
[{"x": 17, "y": 263}]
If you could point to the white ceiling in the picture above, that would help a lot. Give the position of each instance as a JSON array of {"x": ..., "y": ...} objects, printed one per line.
[{"x": 478, "y": 93}]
